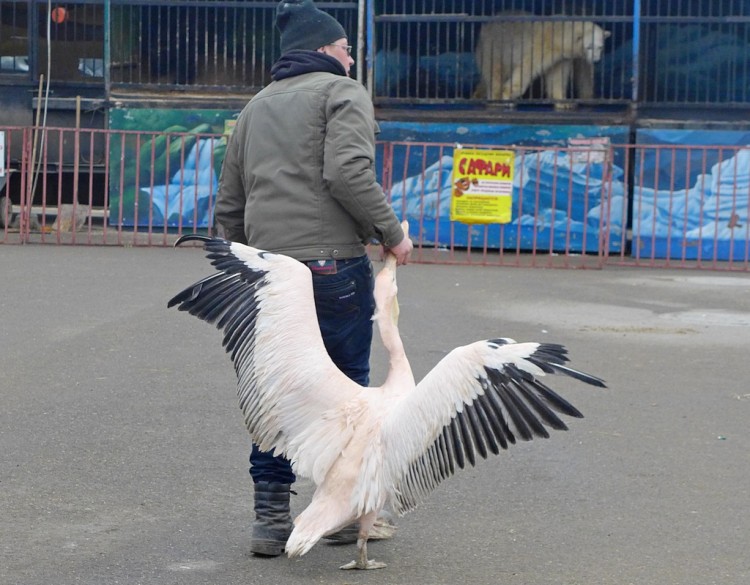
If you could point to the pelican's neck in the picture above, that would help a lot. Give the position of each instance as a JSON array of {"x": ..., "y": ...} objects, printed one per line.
[
  {"x": 399, "y": 372},
  {"x": 400, "y": 377}
]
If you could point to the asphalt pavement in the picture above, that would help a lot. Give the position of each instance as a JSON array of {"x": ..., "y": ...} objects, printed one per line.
[{"x": 124, "y": 457}]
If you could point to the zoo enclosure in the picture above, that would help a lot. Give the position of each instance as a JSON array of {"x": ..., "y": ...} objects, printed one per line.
[
  {"x": 657, "y": 53},
  {"x": 66, "y": 70}
]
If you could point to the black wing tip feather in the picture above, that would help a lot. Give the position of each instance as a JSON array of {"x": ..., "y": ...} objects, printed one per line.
[
  {"x": 552, "y": 357},
  {"x": 192, "y": 238},
  {"x": 514, "y": 405},
  {"x": 578, "y": 375},
  {"x": 179, "y": 298},
  {"x": 186, "y": 296},
  {"x": 207, "y": 240},
  {"x": 528, "y": 402},
  {"x": 228, "y": 294}
]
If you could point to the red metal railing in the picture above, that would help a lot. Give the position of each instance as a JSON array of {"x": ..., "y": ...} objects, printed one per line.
[
  {"x": 690, "y": 207},
  {"x": 572, "y": 207},
  {"x": 99, "y": 187},
  {"x": 550, "y": 208}
]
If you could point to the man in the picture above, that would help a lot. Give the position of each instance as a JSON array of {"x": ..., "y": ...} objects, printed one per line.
[{"x": 298, "y": 179}]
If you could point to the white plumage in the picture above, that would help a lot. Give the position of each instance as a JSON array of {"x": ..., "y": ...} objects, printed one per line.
[{"x": 364, "y": 448}]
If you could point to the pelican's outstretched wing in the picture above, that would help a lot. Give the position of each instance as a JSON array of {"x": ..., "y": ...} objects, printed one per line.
[
  {"x": 478, "y": 399},
  {"x": 291, "y": 394}
]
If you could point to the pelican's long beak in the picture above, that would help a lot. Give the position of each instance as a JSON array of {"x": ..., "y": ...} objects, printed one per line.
[
  {"x": 395, "y": 311},
  {"x": 390, "y": 264}
]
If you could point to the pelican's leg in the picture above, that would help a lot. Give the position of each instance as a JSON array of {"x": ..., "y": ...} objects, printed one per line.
[{"x": 362, "y": 561}]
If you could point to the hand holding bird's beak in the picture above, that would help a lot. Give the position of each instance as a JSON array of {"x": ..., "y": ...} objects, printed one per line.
[{"x": 402, "y": 250}]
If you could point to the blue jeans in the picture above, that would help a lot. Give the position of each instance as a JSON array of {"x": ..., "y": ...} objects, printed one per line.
[{"x": 345, "y": 304}]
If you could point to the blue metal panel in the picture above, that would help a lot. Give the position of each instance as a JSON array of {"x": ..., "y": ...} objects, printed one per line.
[{"x": 636, "y": 47}]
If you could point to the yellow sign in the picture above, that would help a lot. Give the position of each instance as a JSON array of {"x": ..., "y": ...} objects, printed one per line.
[
  {"x": 482, "y": 186},
  {"x": 229, "y": 125}
]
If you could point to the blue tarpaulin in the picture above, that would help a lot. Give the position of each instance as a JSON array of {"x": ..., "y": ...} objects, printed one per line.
[
  {"x": 692, "y": 202},
  {"x": 557, "y": 204},
  {"x": 188, "y": 198}
]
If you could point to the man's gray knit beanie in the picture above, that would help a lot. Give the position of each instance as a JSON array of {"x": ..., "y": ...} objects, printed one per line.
[{"x": 303, "y": 26}]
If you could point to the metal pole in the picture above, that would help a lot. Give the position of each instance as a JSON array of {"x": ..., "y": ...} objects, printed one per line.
[
  {"x": 107, "y": 47},
  {"x": 636, "y": 50},
  {"x": 361, "y": 8},
  {"x": 370, "y": 27}
]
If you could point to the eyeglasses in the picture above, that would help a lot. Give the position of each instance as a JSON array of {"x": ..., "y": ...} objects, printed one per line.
[{"x": 347, "y": 47}]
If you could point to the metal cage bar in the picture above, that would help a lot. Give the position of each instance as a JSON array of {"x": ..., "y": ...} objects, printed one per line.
[{"x": 656, "y": 52}]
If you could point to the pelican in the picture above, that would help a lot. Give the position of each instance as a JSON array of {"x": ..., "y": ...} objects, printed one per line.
[{"x": 364, "y": 448}]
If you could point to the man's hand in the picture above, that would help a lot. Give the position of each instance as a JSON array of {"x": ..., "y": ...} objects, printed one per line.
[{"x": 401, "y": 251}]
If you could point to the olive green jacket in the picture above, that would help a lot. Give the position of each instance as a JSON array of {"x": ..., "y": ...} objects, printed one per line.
[{"x": 298, "y": 176}]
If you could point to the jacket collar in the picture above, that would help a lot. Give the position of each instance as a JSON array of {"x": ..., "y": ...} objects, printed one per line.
[{"x": 299, "y": 62}]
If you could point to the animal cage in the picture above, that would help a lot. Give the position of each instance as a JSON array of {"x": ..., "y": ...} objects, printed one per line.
[
  {"x": 564, "y": 52},
  {"x": 693, "y": 52},
  {"x": 157, "y": 45},
  {"x": 201, "y": 44},
  {"x": 650, "y": 52},
  {"x": 474, "y": 51},
  {"x": 65, "y": 43}
]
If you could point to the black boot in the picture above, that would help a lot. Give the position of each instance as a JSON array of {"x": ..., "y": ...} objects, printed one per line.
[{"x": 273, "y": 521}]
